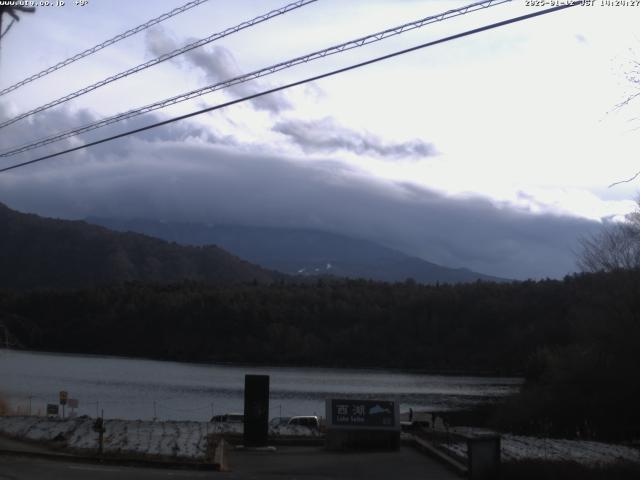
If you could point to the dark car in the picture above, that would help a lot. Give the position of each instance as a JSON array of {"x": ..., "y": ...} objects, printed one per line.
[{"x": 228, "y": 418}]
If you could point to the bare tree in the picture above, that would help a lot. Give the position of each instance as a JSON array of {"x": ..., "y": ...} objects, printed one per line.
[
  {"x": 13, "y": 13},
  {"x": 617, "y": 247},
  {"x": 633, "y": 78}
]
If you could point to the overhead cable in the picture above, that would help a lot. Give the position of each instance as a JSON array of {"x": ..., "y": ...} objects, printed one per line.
[
  {"x": 100, "y": 46},
  {"x": 358, "y": 42},
  {"x": 160, "y": 59},
  {"x": 297, "y": 83}
]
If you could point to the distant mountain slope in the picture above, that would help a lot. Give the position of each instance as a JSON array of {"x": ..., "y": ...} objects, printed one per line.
[
  {"x": 43, "y": 252},
  {"x": 302, "y": 252}
]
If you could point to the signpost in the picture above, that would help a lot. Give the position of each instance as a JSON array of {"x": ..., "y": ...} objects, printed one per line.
[
  {"x": 98, "y": 426},
  {"x": 52, "y": 409},
  {"x": 63, "y": 400},
  {"x": 362, "y": 424}
]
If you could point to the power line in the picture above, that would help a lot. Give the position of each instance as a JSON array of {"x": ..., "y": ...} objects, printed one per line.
[
  {"x": 359, "y": 42},
  {"x": 161, "y": 58},
  {"x": 300, "y": 82},
  {"x": 106, "y": 43}
]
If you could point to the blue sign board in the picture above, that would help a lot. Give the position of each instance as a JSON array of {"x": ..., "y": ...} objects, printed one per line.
[{"x": 363, "y": 414}]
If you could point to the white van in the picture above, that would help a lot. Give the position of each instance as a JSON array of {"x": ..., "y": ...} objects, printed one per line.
[{"x": 309, "y": 421}]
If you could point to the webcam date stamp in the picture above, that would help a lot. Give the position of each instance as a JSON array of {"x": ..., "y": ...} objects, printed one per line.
[
  {"x": 582, "y": 3},
  {"x": 43, "y": 3}
]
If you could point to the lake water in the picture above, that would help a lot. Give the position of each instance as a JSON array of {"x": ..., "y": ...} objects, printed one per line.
[{"x": 130, "y": 388}]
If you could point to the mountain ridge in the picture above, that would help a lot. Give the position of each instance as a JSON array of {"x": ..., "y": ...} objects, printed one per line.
[{"x": 299, "y": 251}]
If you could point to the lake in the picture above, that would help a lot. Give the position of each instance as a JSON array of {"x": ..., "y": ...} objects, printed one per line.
[{"x": 131, "y": 388}]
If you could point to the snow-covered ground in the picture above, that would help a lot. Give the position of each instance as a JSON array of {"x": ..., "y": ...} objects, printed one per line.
[
  {"x": 515, "y": 447},
  {"x": 188, "y": 440},
  {"x": 167, "y": 438}
]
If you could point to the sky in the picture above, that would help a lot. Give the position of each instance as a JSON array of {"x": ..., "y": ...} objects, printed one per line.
[{"x": 493, "y": 152}]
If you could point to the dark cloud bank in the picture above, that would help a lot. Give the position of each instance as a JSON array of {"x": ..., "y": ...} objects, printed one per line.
[
  {"x": 326, "y": 136},
  {"x": 183, "y": 173}
]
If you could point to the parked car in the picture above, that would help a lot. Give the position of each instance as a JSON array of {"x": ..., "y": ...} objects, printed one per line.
[
  {"x": 228, "y": 418},
  {"x": 279, "y": 422},
  {"x": 309, "y": 421}
]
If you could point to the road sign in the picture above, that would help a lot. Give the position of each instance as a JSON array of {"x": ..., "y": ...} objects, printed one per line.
[
  {"x": 63, "y": 397},
  {"x": 73, "y": 403},
  {"x": 355, "y": 424},
  {"x": 363, "y": 414},
  {"x": 52, "y": 409}
]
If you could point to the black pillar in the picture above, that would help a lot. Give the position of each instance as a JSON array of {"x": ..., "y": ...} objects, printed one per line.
[{"x": 256, "y": 410}]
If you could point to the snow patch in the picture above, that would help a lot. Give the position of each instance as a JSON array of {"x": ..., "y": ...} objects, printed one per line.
[
  {"x": 182, "y": 439},
  {"x": 516, "y": 447}
]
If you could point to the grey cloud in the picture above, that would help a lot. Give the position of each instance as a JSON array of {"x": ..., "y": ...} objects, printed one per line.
[
  {"x": 313, "y": 90},
  {"x": 326, "y": 136},
  {"x": 159, "y": 42},
  {"x": 169, "y": 176},
  {"x": 58, "y": 120},
  {"x": 219, "y": 64}
]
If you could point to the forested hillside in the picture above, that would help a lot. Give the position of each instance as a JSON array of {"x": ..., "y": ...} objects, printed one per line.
[
  {"x": 42, "y": 252},
  {"x": 482, "y": 326}
]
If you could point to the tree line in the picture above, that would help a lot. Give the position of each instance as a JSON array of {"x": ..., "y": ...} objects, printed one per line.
[{"x": 480, "y": 327}]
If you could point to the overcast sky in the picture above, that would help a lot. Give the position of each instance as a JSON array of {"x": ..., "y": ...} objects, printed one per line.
[{"x": 492, "y": 152}]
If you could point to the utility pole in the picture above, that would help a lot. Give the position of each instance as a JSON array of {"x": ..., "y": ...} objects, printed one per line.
[{"x": 98, "y": 426}]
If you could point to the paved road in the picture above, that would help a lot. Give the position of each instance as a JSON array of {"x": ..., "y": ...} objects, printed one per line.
[
  {"x": 24, "y": 468},
  {"x": 18, "y": 446},
  {"x": 287, "y": 463}
]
